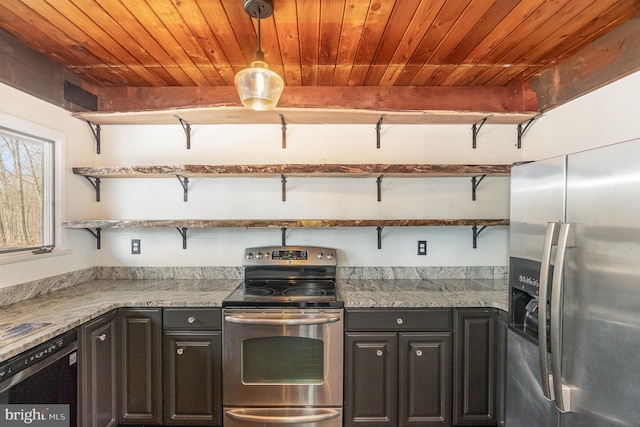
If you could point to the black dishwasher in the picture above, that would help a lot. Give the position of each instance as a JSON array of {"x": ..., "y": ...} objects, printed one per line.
[{"x": 45, "y": 375}]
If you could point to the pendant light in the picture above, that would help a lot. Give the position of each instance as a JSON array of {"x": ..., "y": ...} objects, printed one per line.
[{"x": 259, "y": 87}]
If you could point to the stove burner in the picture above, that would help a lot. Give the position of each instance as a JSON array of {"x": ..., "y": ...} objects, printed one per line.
[
  {"x": 304, "y": 291},
  {"x": 258, "y": 291}
]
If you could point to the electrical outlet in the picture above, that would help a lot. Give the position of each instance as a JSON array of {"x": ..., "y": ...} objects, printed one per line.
[
  {"x": 135, "y": 246},
  {"x": 422, "y": 247}
]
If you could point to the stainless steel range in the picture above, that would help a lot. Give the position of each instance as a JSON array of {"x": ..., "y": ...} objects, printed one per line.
[{"x": 283, "y": 340}]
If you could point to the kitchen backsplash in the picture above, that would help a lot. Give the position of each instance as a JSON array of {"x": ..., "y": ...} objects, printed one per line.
[{"x": 16, "y": 293}]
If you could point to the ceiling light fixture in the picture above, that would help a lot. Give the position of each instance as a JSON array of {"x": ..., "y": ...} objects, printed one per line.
[{"x": 259, "y": 87}]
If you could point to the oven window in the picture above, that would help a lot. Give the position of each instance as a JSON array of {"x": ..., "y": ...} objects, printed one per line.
[{"x": 282, "y": 360}]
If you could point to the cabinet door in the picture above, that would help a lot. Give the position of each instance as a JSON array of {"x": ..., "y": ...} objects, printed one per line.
[
  {"x": 424, "y": 390},
  {"x": 193, "y": 378},
  {"x": 371, "y": 379},
  {"x": 98, "y": 378},
  {"x": 476, "y": 369},
  {"x": 140, "y": 366}
]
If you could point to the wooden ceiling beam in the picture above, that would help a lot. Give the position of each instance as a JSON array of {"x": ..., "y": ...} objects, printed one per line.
[
  {"x": 511, "y": 99},
  {"x": 611, "y": 57}
]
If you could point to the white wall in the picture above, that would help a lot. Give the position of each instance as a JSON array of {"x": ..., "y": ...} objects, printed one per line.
[
  {"x": 307, "y": 198},
  {"x": 73, "y": 145},
  {"x": 606, "y": 116}
]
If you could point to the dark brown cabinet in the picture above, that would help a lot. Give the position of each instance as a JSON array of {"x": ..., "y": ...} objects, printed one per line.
[
  {"x": 476, "y": 367},
  {"x": 424, "y": 380},
  {"x": 371, "y": 361},
  {"x": 98, "y": 379},
  {"x": 192, "y": 366},
  {"x": 140, "y": 366},
  {"x": 398, "y": 367}
]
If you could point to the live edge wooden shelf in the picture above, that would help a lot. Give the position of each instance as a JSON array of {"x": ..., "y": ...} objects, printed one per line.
[
  {"x": 378, "y": 171},
  {"x": 184, "y": 172},
  {"x": 182, "y": 225}
]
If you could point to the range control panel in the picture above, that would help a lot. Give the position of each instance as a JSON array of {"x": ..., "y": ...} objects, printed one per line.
[{"x": 289, "y": 255}]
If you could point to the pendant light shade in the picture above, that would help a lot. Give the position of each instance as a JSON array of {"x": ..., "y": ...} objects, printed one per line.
[{"x": 259, "y": 87}]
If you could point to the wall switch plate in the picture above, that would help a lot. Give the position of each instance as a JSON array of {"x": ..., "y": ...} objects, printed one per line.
[
  {"x": 135, "y": 246},
  {"x": 422, "y": 247}
]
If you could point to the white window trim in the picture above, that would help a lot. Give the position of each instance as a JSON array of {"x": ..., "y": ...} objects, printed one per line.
[{"x": 59, "y": 139}]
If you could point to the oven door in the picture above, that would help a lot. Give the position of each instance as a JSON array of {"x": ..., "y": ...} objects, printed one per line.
[{"x": 282, "y": 357}]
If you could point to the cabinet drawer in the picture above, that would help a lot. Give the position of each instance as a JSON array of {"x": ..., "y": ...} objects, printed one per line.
[
  {"x": 383, "y": 319},
  {"x": 192, "y": 318}
]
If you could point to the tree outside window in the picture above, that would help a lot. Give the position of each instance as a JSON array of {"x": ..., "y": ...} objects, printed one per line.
[{"x": 26, "y": 192}]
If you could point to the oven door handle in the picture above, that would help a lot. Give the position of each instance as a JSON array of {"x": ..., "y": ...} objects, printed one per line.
[
  {"x": 257, "y": 416},
  {"x": 258, "y": 319}
]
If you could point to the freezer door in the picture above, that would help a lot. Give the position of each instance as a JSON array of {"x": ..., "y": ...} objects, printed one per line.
[
  {"x": 525, "y": 403},
  {"x": 601, "y": 324},
  {"x": 537, "y": 198}
]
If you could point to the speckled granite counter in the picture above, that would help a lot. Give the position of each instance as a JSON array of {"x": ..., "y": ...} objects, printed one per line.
[
  {"x": 70, "y": 307},
  {"x": 426, "y": 293}
]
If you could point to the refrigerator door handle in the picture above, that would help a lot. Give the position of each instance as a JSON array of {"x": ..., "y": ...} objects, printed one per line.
[
  {"x": 561, "y": 392},
  {"x": 550, "y": 240}
]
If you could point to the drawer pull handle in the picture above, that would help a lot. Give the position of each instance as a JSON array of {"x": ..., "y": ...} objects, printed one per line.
[
  {"x": 191, "y": 319},
  {"x": 418, "y": 353},
  {"x": 180, "y": 351},
  {"x": 379, "y": 353},
  {"x": 399, "y": 321},
  {"x": 102, "y": 337}
]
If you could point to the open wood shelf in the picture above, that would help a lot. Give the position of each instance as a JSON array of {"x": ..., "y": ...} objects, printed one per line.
[
  {"x": 95, "y": 226},
  {"x": 242, "y": 115},
  {"x": 276, "y": 223},
  {"x": 297, "y": 170},
  {"x": 184, "y": 172}
]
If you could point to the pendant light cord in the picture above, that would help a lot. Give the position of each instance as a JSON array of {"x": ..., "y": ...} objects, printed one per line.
[{"x": 259, "y": 46}]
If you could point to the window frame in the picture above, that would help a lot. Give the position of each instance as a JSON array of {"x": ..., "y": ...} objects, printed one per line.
[{"x": 49, "y": 189}]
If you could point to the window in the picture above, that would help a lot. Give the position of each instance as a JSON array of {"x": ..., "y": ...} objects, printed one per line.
[{"x": 26, "y": 192}]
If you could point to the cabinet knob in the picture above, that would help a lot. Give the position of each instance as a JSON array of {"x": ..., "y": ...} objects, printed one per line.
[
  {"x": 418, "y": 353},
  {"x": 102, "y": 337},
  {"x": 399, "y": 321},
  {"x": 180, "y": 351},
  {"x": 191, "y": 319},
  {"x": 379, "y": 353}
]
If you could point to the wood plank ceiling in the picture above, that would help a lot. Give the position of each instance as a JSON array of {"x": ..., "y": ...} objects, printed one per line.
[{"x": 136, "y": 44}]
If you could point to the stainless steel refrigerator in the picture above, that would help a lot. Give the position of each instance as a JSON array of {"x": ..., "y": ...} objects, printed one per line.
[{"x": 575, "y": 244}]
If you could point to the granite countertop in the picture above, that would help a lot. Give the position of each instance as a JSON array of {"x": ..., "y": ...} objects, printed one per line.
[
  {"x": 68, "y": 308},
  {"x": 426, "y": 293}
]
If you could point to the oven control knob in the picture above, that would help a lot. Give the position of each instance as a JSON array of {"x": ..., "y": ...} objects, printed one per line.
[
  {"x": 320, "y": 255},
  {"x": 249, "y": 255},
  {"x": 260, "y": 255},
  {"x": 330, "y": 255}
]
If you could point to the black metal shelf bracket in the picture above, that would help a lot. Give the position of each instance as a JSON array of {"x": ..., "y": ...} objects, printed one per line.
[
  {"x": 475, "y": 182},
  {"x": 98, "y": 235},
  {"x": 476, "y": 233},
  {"x": 379, "y": 185},
  {"x": 95, "y": 129},
  {"x": 475, "y": 129},
  {"x": 379, "y": 229},
  {"x": 283, "y": 230},
  {"x": 183, "y": 233},
  {"x": 522, "y": 128},
  {"x": 184, "y": 181},
  {"x": 95, "y": 183},
  {"x": 283, "y": 180},
  {"x": 379, "y": 129},
  {"x": 284, "y": 131},
  {"x": 186, "y": 126}
]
